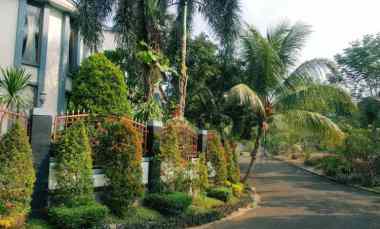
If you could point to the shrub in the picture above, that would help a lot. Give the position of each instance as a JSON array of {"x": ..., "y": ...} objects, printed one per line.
[
  {"x": 237, "y": 189},
  {"x": 121, "y": 159},
  {"x": 17, "y": 176},
  {"x": 202, "y": 171},
  {"x": 174, "y": 203},
  {"x": 100, "y": 87},
  {"x": 172, "y": 166},
  {"x": 216, "y": 156},
  {"x": 220, "y": 193},
  {"x": 233, "y": 171},
  {"x": 85, "y": 216},
  {"x": 73, "y": 168},
  {"x": 335, "y": 165}
]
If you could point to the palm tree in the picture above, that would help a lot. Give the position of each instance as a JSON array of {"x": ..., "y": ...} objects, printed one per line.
[
  {"x": 223, "y": 18},
  {"x": 13, "y": 84},
  {"x": 278, "y": 96}
]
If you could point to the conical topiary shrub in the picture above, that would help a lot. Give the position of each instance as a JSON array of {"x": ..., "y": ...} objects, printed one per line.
[
  {"x": 73, "y": 168},
  {"x": 17, "y": 177},
  {"x": 216, "y": 157}
]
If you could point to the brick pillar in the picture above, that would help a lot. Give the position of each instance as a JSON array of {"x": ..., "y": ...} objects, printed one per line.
[
  {"x": 153, "y": 143},
  {"x": 41, "y": 140}
]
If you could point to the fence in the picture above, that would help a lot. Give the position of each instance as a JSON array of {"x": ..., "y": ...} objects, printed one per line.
[
  {"x": 8, "y": 118},
  {"x": 62, "y": 122},
  {"x": 187, "y": 140}
]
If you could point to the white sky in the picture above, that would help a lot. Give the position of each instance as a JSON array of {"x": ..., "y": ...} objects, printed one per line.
[{"x": 335, "y": 23}]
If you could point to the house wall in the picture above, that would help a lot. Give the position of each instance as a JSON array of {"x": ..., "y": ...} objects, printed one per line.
[
  {"x": 53, "y": 61},
  {"x": 8, "y": 19}
]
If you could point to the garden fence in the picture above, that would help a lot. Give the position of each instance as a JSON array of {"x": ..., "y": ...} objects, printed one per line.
[
  {"x": 187, "y": 140},
  {"x": 64, "y": 121},
  {"x": 9, "y": 118}
]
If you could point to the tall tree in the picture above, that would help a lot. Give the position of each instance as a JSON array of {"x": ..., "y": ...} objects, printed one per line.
[
  {"x": 134, "y": 22},
  {"x": 275, "y": 95},
  {"x": 223, "y": 18},
  {"x": 360, "y": 65}
]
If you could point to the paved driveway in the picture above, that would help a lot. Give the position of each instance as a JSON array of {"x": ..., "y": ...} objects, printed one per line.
[{"x": 293, "y": 199}]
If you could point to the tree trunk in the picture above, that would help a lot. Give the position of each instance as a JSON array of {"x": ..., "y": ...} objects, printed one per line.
[
  {"x": 183, "y": 67},
  {"x": 254, "y": 154}
]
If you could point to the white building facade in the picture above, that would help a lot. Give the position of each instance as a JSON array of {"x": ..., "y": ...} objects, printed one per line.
[{"x": 38, "y": 35}]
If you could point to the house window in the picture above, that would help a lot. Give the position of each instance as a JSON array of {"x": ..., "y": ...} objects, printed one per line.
[{"x": 32, "y": 35}]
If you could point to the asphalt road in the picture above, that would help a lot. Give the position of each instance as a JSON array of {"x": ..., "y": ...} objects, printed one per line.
[{"x": 294, "y": 199}]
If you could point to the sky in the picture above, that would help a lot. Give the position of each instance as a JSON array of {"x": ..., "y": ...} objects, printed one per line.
[{"x": 335, "y": 23}]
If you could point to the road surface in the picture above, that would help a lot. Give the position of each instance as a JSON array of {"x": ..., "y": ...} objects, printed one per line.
[{"x": 294, "y": 199}]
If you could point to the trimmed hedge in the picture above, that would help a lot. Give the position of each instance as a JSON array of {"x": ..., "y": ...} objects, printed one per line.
[
  {"x": 100, "y": 87},
  {"x": 174, "y": 203},
  {"x": 85, "y": 216},
  {"x": 74, "y": 172},
  {"x": 17, "y": 177},
  {"x": 121, "y": 145},
  {"x": 220, "y": 193}
]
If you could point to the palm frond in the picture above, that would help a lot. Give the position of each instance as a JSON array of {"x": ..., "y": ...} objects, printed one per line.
[
  {"x": 223, "y": 16},
  {"x": 310, "y": 122},
  {"x": 321, "y": 98},
  {"x": 244, "y": 96},
  {"x": 311, "y": 72},
  {"x": 289, "y": 40},
  {"x": 265, "y": 69}
]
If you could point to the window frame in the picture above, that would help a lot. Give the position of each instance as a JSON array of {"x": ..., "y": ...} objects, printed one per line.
[{"x": 41, "y": 7}]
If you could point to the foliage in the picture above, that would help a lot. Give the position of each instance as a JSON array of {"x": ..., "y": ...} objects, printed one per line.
[
  {"x": 99, "y": 87},
  {"x": 149, "y": 110},
  {"x": 73, "y": 169},
  {"x": 216, "y": 156},
  {"x": 205, "y": 202},
  {"x": 370, "y": 111},
  {"x": 13, "y": 85},
  {"x": 122, "y": 156},
  {"x": 174, "y": 168},
  {"x": 220, "y": 193},
  {"x": 202, "y": 172},
  {"x": 136, "y": 216},
  {"x": 359, "y": 64},
  {"x": 169, "y": 204},
  {"x": 334, "y": 166},
  {"x": 237, "y": 189},
  {"x": 85, "y": 216},
  {"x": 38, "y": 224},
  {"x": 233, "y": 171},
  {"x": 17, "y": 175}
]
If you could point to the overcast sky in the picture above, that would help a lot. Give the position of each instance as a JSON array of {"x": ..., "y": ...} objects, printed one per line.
[{"x": 335, "y": 22}]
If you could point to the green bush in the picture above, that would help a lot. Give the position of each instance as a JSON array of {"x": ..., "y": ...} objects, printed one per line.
[
  {"x": 202, "y": 171},
  {"x": 100, "y": 87},
  {"x": 335, "y": 166},
  {"x": 173, "y": 167},
  {"x": 233, "y": 171},
  {"x": 220, "y": 193},
  {"x": 174, "y": 203},
  {"x": 237, "y": 189},
  {"x": 85, "y": 216},
  {"x": 38, "y": 224},
  {"x": 216, "y": 156},
  {"x": 73, "y": 168},
  {"x": 121, "y": 145},
  {"x": 17, "y": 176}
]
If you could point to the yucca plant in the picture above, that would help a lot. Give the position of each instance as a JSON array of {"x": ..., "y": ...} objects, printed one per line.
[
  {"x": 13, "y": 84},
  {"x": 275, "y": 95}
]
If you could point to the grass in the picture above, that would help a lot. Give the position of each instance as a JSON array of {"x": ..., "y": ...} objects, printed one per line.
[{"x": 136, "y": 215}]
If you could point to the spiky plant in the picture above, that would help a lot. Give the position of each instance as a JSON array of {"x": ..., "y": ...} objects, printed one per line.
[
  {"x": 275, "y": 95},
  {"x": 13, "y": 84}
]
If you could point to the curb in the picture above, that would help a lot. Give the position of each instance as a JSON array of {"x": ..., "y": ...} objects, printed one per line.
[
  {"x": 334, "y": 180},
  {"x": 241, "y": 211}
]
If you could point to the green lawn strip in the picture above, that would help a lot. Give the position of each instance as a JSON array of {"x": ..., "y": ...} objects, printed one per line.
[{"x": 38, "y": 224}]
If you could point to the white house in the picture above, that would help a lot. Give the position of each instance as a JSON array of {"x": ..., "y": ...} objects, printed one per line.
[{"x": 37, "y": 35}]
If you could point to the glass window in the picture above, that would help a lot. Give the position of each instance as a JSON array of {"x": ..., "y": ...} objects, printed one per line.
[{"x": 32, "y": 35}]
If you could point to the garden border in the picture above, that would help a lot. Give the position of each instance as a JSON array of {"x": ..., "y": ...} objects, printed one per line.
[{"x": 332, "y": 179}]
